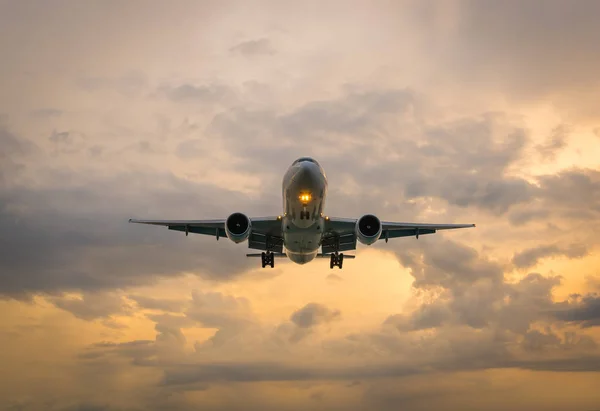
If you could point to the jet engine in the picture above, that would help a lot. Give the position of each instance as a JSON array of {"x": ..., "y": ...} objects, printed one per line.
[
  {"x": 368, "y": 229},
  {"x": 237, "y": 227}
]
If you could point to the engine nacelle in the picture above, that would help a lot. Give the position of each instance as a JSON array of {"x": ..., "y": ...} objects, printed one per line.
[
  {"x": 238, "y": 227},
  {"x": 368, "y": 229}
]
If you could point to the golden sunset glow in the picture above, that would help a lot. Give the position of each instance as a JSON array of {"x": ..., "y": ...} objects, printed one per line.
[{"x": 481, "y": 112}]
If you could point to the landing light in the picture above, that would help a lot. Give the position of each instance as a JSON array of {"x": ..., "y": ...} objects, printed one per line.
[{"x": 304, "y": 197}]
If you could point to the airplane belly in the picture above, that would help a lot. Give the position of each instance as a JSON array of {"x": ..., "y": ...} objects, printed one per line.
[{"x": 302, "y": 240}]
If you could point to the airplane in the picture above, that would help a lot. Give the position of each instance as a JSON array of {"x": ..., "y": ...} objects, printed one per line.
[{"x": 303, "y": 227}]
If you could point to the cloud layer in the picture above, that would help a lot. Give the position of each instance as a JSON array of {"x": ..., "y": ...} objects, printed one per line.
[{"x": 476, "y": 112}]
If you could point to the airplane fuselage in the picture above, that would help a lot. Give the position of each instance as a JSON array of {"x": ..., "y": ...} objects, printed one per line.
[{"x": 304, "y": 192}]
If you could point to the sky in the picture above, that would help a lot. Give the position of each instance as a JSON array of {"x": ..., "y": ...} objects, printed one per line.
[{"x": 484, "y": 112}]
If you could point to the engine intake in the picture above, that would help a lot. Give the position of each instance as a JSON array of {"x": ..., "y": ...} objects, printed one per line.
[
  {"x": 368, "y": 229},
  {"x": 238, "y": 227}
]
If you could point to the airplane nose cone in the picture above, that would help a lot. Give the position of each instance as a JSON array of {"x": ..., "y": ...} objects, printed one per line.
[{"x": 308, "y": 175}]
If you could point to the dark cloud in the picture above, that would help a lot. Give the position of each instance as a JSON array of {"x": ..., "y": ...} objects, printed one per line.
[
  {"x": 272, "y": 371},
  {"x": 313, "y": 314},
  {"x": 256, "y": 47},
  {"x": 427, "y": 316},
  {"x": 550, "y": 202},
  {"x": 463, "y": 161},
  {"x": 583, "y": 188},
  {"x": 92, "y": 305},
  {"x": 584, "y": 310},
  {"x": 445, "y": 263},
  {"x": 471, "y": 291},
  {"x": 530, "y": 257},
  {"x": 76, "y": 237},
  {"x": 161, "y": 304},
  {"x": 535, "y": 340}
]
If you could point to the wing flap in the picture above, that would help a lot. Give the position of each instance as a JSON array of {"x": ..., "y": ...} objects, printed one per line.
[
  {"x": 265, "y": 241},
  {"x": 335, "y": 242},
  {"x": 386, "y": 234},
  {"x": 220, "y": 232}
]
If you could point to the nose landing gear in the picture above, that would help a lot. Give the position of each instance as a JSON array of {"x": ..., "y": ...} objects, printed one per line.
[{"x": 337, "y": 259}]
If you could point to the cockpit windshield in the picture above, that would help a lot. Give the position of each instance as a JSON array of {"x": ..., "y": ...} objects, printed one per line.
[{"x": 301, "y": 159}]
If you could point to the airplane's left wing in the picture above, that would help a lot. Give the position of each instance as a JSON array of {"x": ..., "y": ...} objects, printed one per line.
[
  {"x": 265, "y": 232},
  {"x": 207, "y": 227},
  {"x": 340, "y": 233}
]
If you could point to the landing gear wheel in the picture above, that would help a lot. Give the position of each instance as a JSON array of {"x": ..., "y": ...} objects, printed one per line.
[
  {"x": 268, "y": 258},
  {"x": 336, "y": 260}
]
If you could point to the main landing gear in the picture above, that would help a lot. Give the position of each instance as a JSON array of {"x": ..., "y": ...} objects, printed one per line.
[
  {"x": 336, "y": 260},
  {"x": 268, "y": 258}
]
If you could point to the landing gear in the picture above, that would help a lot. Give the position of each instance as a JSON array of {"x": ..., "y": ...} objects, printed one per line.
[
  {"x": 304, "y": 215},
  {"x": 268, "y": 259},
  {"x": 336, "y": 260}
]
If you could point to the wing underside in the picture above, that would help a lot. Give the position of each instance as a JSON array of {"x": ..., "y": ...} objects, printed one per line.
[
  {"x": 265, "y": 234},
  {"x": 340, "y": 233}
]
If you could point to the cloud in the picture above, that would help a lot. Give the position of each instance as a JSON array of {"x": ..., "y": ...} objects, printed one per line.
[
  {"x": 129, "y": 84},
  {"x": 530, "y": 257},
  {"x": 256, "y": 47},
  {"x": 64, "y": 238},
  {"x": 425, "y": 317},
  {"x": 206, "y": 93},
  {"x": 584, "y": 310},
  {"x": 535, "y": 340},
  {"x": 313, "y": 314},
  {"x": 556, "y": 142},
  {"x": 523, "y": 52},
  {"x": 448, "y": 264},
  {"x": 583, "y": 186},
  {"x": 461, "y": 161},
  {"x": 162, "y": 304},
  {"x": 451, "y": 113},
  {"x": 92, "y": 306},
  {"x": 218, "y": 310}
]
